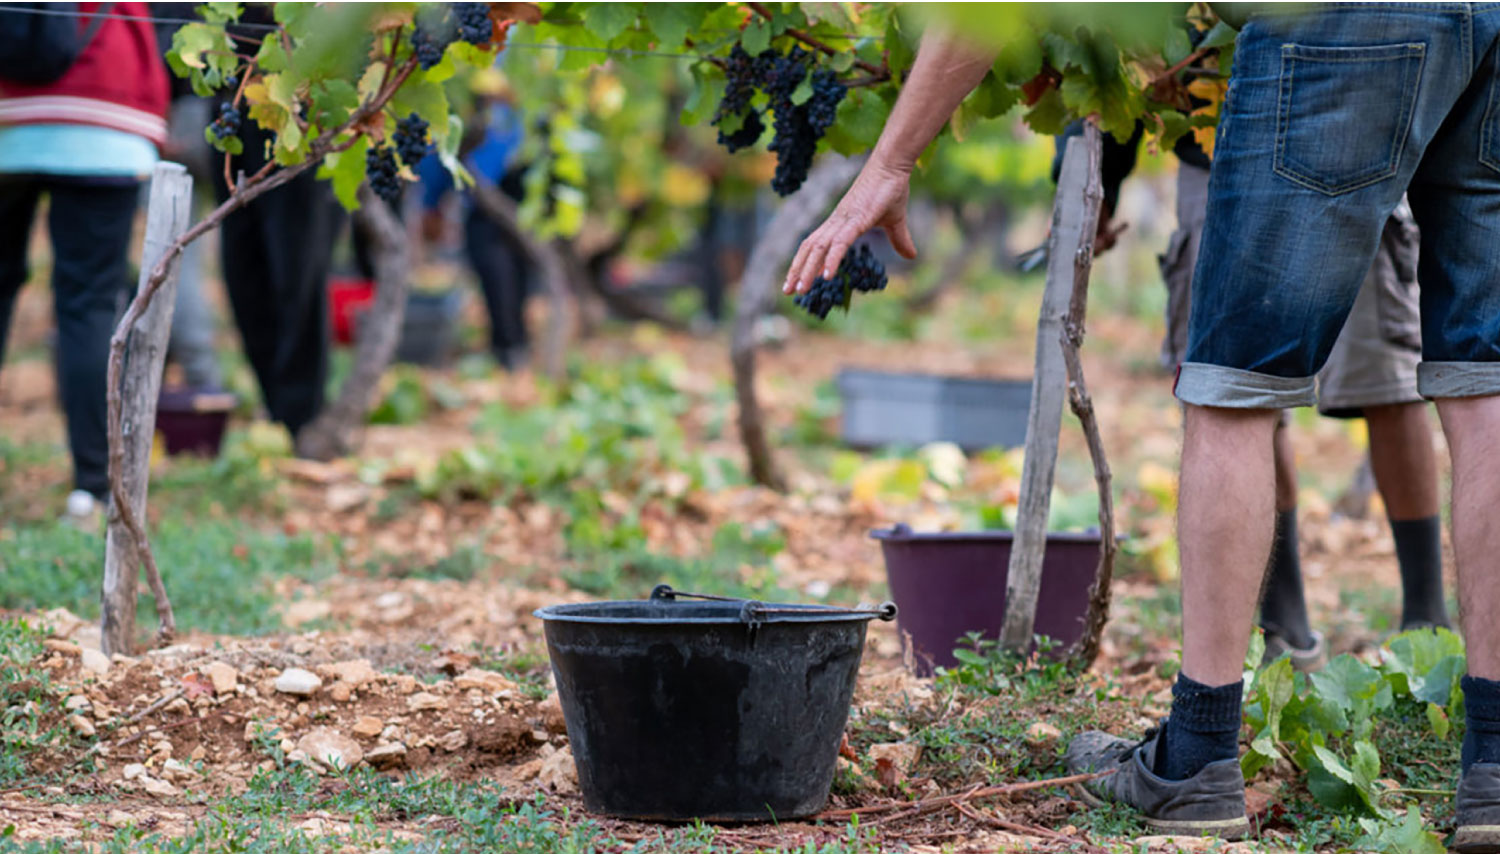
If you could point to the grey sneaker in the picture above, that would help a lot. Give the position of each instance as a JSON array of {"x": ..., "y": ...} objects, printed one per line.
[
  {"x": 1211, "y": 802},
  {"x": 1478, "y": 808},
  {"x": 1305, "y": 660}
]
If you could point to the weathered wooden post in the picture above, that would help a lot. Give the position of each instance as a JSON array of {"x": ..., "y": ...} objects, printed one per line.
[
  {"x": 145, "y": 353},
  {"x": 1075, "y": 218}
]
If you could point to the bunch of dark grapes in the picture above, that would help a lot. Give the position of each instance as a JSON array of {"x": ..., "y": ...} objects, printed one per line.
[
  {"x": 742, "y": 74},
  {"x": 428, "y": 44},
  {"x": 228, "y": 122},
  {"x": 411, "y": 139},
  {"x": 232, "y": 82},
  {"x": 859, "y": 271},
  {"x": 380, "y": 169},
  {"x": 799, "y": 127},
  {"x": 474, "y": 25}
]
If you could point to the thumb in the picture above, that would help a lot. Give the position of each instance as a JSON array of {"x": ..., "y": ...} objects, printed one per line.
[{"x": 900, "y": 237}]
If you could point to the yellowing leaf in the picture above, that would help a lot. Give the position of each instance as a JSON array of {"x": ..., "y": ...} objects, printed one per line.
[{"x": 946, "y": 463}]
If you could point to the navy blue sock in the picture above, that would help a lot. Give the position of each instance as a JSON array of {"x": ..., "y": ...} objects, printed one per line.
[
  {"x": 1419, "y": 551},
  {"x": 1482, "y": 706},
  {"x": 1204, "y": 727}
]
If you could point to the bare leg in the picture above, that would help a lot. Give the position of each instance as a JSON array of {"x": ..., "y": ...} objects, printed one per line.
[
  {"x": 1286, "y": 471},
  {"x": 1224, "y": 522},
  {"x": 1471, "y": 425},
  {"x": 1402, "y": 458}
]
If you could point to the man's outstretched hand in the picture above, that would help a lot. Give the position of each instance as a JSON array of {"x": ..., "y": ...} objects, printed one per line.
[{"x": 876, "y": 199}]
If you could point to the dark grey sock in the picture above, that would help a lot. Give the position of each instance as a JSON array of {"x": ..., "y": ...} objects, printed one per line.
[
  {"x": 1482, "y": 708},
  {"x": 1419, "y": 550},
  {"x": 1283, "y": 609},
  {"x": 1204, "y": 727}
]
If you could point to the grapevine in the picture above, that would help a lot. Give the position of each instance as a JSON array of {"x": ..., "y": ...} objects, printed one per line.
[{"x": 859, "y": 271}]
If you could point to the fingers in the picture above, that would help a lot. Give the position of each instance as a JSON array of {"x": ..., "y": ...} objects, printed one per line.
[
  {"x": 794, "y": 272},
  {"x": 900, "y": 237}
]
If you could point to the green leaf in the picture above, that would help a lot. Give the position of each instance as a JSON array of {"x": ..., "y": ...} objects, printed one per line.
[
  {"x": 1438, "y": 720},
  {"x": 191, "y": 40},
  {"x": 673, "y": 21},
  {"x": 447, "y": 150},
  {"x": 608, "y": 20},
  {"x": 423, "y": 97},
  {"x": 230, "y": 144},
  {"x": 1049, "y": 115},
  {"x": 1256, "y": 653},
  {"x": 803, "y": 91},
  {"x": 901, "y": 55},
  {"x": 842, "y": 62},
  {"x": 707, "y": 89},
  {"x": 1219, "y": 35},
  {"x": 219, "y": 13},
  {"x": 1409, "y": 836},
  {"x": 756, "y": 37},
  {"x": 1273, "y": 687},
  {"x": 1441, "y": 681},
  {"x": 271, "y": 58},
  {"x": 346, "y": 169},
  {"x": 1176, "y": 46},
  {"x": 860, "y": 118}
]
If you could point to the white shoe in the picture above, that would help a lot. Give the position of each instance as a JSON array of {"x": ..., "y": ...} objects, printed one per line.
[{"x": 83, "y": 511}]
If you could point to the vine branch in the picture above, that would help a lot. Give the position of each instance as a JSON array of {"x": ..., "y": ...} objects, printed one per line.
[
  {"x": 1082, "y": 405},
  {"x": 818, "y": 44},
  {"x": 248, "y": 190}
]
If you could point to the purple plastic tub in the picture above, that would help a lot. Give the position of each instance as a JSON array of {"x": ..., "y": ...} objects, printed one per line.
[
  {"x": 192, "y": 422},
  {"x": 948, "y": 584}
]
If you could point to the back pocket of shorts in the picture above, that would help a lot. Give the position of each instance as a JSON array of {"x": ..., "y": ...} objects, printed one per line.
[{"x": 1344, "y": 113}]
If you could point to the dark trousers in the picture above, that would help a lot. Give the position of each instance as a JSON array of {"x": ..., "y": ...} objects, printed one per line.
[
  {"x": 90, "y": 226},
  {"x": 504, "y": 274},
  {"x": 276, "y": 257}
]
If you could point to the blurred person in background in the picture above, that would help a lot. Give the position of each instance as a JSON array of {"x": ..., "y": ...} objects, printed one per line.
[
  {"x": 500, "y": 262},
  {"x": 83, "y": 102}
]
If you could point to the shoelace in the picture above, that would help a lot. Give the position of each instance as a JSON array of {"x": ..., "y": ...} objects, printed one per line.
[{"x": 1145, "y": 739}]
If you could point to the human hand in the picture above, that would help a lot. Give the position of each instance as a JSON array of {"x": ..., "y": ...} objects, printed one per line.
[{"x": 877, "y": 198}]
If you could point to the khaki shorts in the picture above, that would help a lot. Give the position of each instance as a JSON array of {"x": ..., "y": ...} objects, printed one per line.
[{"x": 1374, "y": 361}]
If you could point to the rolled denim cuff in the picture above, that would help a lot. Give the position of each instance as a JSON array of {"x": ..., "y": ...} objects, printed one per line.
[
  {"x": 1458, "y": 379},
  {"x": 1232, "y": 388}
]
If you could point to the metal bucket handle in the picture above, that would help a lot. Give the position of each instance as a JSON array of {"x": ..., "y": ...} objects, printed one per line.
[{"x": 753, "y": 611}]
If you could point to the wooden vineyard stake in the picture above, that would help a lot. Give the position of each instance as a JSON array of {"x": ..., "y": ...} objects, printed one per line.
[
  {"x": 1075, "y": 217},
  {"x": 133, "y": 396}
]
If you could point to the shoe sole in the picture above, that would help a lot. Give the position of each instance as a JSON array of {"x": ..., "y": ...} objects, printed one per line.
[
  {"x": 1476, "y": 839},
  {"x": 1229, "y": 829}
]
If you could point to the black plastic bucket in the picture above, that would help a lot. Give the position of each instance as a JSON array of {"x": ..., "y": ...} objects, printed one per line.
[{"x": 722, "y": 711}]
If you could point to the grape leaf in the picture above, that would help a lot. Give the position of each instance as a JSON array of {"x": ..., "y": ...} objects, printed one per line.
[
  {"x": 673, "y": 21},
  {"x": 1176, "y": 46},
  {"x": 346, "y": 169},
  {"x": 1049, "y": 115},
  {"x": 1219, "y": 35},
  {"x": 803, "y": 92},
  {"x": 756, "y": 37},
  {"x": 608, "y": 20}
]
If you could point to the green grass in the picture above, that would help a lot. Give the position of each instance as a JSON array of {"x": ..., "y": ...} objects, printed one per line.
[{"x": 219, "y": 573}]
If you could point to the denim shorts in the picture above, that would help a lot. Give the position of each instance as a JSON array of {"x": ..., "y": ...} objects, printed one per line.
[{"x": 1332, "y": 114}]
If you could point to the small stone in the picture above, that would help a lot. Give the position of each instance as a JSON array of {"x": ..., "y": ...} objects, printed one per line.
[
  {"x": 95, "y": 662},
  {"x": 340, "y": 692},
  {"x": 198, "y": 753},
  {"x": 133, "y": 771},
  {"x": 176, "y": 769},
  {"x": 179, "y": 706},
  {"x": 158, "y": 788},
  {"x": 454, "y": 741},
  {"x": 224, "y": 676},
  {"x": 63, "y": 646},
  {"x": 558, "y": 772},
  {"x": 552, "y": 714},
  {"x": 77, "y": 703},
  {"x": 894, "y": 762},
  {"x": 82, "y": 725},
  {"x": 295, "y": 680},
  {"x": 389, "y": 600},
  {"x": 424, "y": 701},
  {"x": 118, "y": 818},
  {"x": 357, "y": 672},
  {"x": 331, "y": 748},
  {"x": 256, "y": 730},
  {"x": 387, "y": 756},
  {"x": 368, "y": 726},
  {"x": 483, "y": 680},
  {"x": 316, "y": 826},
  {"x": 305, "y": 611},
  {"x": 1043, "y": 735}
]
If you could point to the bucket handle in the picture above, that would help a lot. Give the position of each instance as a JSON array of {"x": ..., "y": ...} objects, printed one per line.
[{"x": 753, "y": 610}]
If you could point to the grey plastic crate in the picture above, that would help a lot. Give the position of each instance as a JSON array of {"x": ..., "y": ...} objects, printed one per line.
[{"x": 883, "y": 408}]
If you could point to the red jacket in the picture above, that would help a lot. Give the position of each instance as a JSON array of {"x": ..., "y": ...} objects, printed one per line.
[{"x": 118, "y": 82}]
